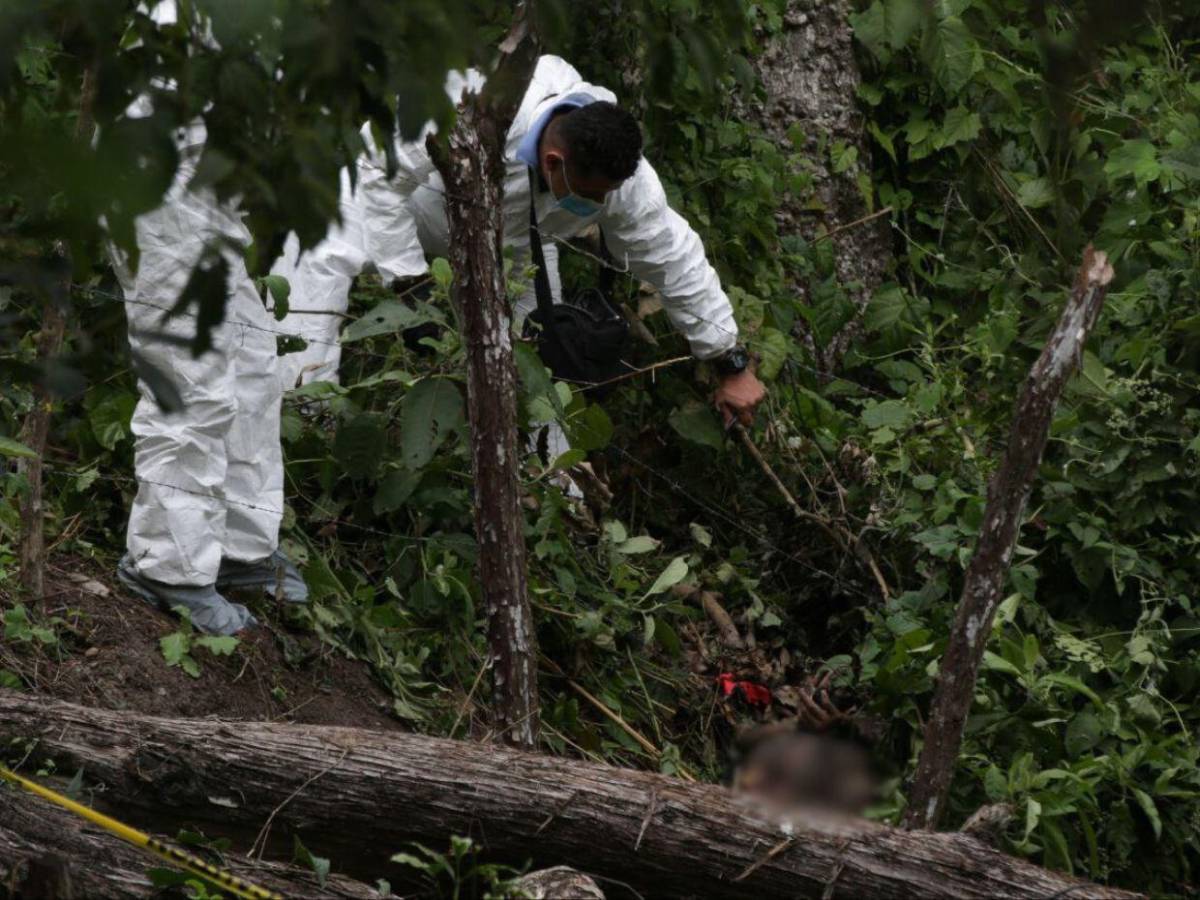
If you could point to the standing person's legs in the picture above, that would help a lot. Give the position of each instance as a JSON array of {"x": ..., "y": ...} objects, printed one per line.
[
  {"x": 178, "y": 519},
  {"x": 254, "y": 474}
]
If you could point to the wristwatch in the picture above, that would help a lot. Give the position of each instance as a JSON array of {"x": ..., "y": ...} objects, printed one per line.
[{"x": 733, "y": 361}]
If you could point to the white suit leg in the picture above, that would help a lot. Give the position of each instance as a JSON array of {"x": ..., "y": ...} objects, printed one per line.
[
  {"x": 254, "y": 456},
  {"x": 177, "y": 523}
]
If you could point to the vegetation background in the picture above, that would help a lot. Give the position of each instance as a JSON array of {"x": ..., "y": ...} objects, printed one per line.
[{"x": 1005, "y": 136}]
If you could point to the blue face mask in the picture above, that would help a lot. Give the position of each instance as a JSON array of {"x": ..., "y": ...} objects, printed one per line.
[{"x": 576, "y": 205}]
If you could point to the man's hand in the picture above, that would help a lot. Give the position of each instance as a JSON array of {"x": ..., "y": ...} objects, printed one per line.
[{"x": 738, "y": 396}]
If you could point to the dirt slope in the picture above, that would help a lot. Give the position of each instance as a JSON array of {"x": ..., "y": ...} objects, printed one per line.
[{"x": 108, "y": 655}]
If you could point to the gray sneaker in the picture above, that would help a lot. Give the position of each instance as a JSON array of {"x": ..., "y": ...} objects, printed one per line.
[
  {"x": 264, "y": 573},
  {"x": 209, "y": 611}
]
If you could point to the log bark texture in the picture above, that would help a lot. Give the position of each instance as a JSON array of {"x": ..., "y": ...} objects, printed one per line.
[
  {"x": 41, "y": 843},
  {"x": 357, "y": 796},
  {"x": 1008, "y": 492},
  {"x": 472, "y": 168},
  {"x": 811, "y": 78}
]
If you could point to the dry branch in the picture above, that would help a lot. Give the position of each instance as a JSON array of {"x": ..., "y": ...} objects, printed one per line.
[
  {"x": 393, "y": 788},
  {"x": 1007, "y": 495}
]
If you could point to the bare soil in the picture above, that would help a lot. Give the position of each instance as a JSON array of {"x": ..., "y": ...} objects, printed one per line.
[{"x": 108, "y": 656}]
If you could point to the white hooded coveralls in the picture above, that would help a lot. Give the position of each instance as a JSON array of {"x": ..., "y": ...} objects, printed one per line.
[
  {"x": 402, "y": 219},
  {"x": 210, "y": 476}
]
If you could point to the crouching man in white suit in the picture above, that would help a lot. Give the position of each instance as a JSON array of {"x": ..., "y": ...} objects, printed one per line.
[{"x": 584, "y": 152}]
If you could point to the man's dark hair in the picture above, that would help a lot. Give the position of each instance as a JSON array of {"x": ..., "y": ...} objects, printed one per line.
[{"x": 602, "y": 139}]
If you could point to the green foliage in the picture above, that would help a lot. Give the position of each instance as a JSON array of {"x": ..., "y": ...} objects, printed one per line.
[
  {"x": 1003, "y": 169},
  {"x": 177, "y": 647},
  {"x": 319, "y": 864},
  {"x": 458, "y": 873},
  {"x": 19, "y": 627}
]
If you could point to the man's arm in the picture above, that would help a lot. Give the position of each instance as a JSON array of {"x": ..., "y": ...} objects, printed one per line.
[{"x": 660, "y": 247}]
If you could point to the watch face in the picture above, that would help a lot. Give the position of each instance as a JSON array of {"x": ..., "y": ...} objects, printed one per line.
[{"x": 738, "y": 359}]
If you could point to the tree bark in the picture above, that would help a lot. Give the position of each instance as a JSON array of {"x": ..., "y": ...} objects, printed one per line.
[
  {"x": 1008, "y": 493},
  {"x": 41, "y": 843},
  {"x": 357, "y": 797},
  {"x": 35, "y": 430},
  {"x": 811, "y": 78},
  {"x": 472, "y": 167}
]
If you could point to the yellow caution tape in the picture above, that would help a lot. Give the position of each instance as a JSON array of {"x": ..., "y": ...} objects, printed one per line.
[{"x": 192, "y": 864}]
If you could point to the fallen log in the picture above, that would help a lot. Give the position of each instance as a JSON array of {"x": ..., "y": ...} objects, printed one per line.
[
  {"x": 358, "y": 796},
  {"x": 47, "y": 852}
]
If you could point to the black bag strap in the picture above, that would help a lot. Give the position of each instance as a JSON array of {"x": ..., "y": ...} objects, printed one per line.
[{"x": 541, "y": 281}]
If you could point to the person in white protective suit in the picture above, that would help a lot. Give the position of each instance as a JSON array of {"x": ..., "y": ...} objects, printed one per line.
[
  {"x": 210, "y": 476},
  {"x": 375, "y": 233},
  {"x": 585, "y": 153}
]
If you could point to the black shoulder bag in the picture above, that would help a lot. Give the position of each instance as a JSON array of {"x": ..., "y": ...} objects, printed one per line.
[{"x": 580, "y": 340}]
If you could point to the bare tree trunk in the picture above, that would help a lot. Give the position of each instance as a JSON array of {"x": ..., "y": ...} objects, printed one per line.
[
  {"x": 811, "y": 78},
  {"x": 1008, "y": 493},
  {"x": 473, "y": 168},
  {"x": 35, "y": 430},
  {"x": 358, "y": 796}
]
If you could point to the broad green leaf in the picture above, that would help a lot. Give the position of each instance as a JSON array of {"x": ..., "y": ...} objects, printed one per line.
[
  {"x": 565, "y": 460},
  {"x": 280, "y": 291},
  {"x": 1133, "y": 159},
  {"x": 641, "y": 544},
  {"x": 697, "y": 422},
  {"x": 960, "y": 125},
  {"x": 773, "y": 347},
  {"x": 1033, "y": 815},
  {"x": 360, "y": 444},
  {"x": 1146, "y": 802},
  {"x": 590, "y": 430},
  {"x": 615, "y": 531},
  {"x": 110, "y": 418},
  {"x": 218, "y": 645},
  {"x": 925, "y": 482},
  {"x": 1083, "y": 733},
  {"x": 902, "y": 18},
  {"x": 174, "y": 647},
  {"x": 674, "y": 573},
  {"x": 16, "y": 624},
  {"x": 951, "y": 51},
  {"x": 12, "y": 448},
  {"x": 319, "y": 864},
  {"x": 431, "y": 410},
  {"x": 1036, "y": 193},
  {"x": 1071, "y": 683},
  {"x": 996, "y": 663},
  {"x": 870, "y": 28},
  {"x": 889, "y": 414},
  {"x": 386, "y": 317},
  {"x": 443, "y": 275},
  {"x": 536, "y": 383}
]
